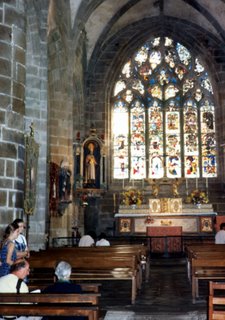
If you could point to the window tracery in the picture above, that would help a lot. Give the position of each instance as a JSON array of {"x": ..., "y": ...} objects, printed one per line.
[{"x": 163, "y": 115}]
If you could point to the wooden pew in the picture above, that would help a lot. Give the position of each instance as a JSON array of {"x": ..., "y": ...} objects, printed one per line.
[
  {"x": 47, "y": 280},
  {"x": 45, "y": 304},
  {"x": 86, "y": 268},
  {"x": 142, "y": 253},
  {"x": 201, "y": 251},
  {"x": 206, "y": 269},
  {"x": 215, "y": 302}
]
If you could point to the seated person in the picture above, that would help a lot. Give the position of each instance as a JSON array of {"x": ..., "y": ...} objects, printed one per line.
[
  {"x": 14, "y": 283},
  {"x": 102, "y": 240},
  {"x": 87, "y": 240},
  {"x": 220, "y": 235},
  {"x": 63, "y": 285}
]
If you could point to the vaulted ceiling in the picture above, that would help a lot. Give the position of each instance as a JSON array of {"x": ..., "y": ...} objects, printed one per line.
[{"x": 104, "y": 20}]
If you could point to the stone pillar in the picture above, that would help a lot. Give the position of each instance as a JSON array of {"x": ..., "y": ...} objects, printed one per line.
[{"x": 12, "y": 91}]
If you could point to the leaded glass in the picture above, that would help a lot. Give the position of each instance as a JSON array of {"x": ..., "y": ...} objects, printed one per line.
[
  {"x": 137, "y": 125},
  {"x": 127, "y": 69},
  {"x": 163, "y": 116},
  {"x": 155, "y": 59},
  {"x": 141, "y": 56},
  {"x": 171, "y": 91},
  {"x": 198, "y": 67},
  {"x": 120, "y": 145},
  {"x": 205, "y": 83},
  {"x": 137, "y": 85},
  {"x": 180, "y": 71},
  {"x": 184, "y": 54},
  {"x": 120, "y": 86},
  {"x": 191, "y": 145},
  {"x": 155, "y": 120},
  {"x": 173, "y": 150},
  {"x": 208, "y": 139}
]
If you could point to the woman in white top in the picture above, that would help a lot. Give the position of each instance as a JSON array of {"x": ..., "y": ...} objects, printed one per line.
[{"x": 21, "y": 242}]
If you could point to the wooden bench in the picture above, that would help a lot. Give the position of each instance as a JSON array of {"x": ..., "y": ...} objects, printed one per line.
[
  {"x": 215, "y": 312},
  {"x": 45, "y": 304},
  {"x": 47, "y": 280},
  {"x": 206, "y": 269},
  {"x": 203, "y": 251},
  {"x": 86, "y": 268},
  {"x": 142, "y": 253}
]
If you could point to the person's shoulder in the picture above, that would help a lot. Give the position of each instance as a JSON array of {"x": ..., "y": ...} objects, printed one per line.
[
  {"x": 7, "y": 277},
  {"x": 24, "y": 288},
  {"x": 49, "y": 288}
]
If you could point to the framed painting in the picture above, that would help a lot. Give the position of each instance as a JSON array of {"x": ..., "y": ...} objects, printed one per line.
[
  {"x": 206, "y": 224},
  {"x": 125, "y": 225}
]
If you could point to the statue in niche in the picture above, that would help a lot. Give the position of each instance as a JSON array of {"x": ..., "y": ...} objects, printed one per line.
[
  {"x": 91, "y": 165},
  {"x": 64, "y": 181}
]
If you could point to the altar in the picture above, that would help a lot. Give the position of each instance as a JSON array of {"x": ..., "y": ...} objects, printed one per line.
[{"x": 134, "y": 220}]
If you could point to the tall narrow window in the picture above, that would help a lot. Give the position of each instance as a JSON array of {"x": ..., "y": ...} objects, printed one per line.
[{"x": 163, "y": 115}]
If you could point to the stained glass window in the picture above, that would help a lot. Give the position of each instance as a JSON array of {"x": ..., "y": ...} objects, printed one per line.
[{"x": 163, "y": 115}]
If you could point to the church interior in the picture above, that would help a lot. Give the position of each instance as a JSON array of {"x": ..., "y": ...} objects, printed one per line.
[{"x": 111, "y": 120}]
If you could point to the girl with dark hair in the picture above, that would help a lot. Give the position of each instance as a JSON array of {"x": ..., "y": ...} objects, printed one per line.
[
  {"x": 21, "y": 242},
  {"x": 8, "y": 250}
]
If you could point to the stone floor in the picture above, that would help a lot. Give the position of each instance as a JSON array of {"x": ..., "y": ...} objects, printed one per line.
[{"x": 166, "y": 296}]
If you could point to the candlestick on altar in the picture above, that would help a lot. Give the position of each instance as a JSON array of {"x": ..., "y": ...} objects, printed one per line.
[
  {"x": 207, "y": 186},
  {"x": 133, "y": 183},
  {"x": 123, "y": 184},
  {"x": 114, "y": 202},
  {"x": 187, "y": 186},
  {"x": 143, "y": 183},
  {"x": 196, "y": 183}
]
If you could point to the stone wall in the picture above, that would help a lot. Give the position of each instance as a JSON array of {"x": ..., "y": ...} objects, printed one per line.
[
  {"x": 36, "y": 111},
  {"x": 60, "y": 95},
  {"x": 12, "y": 109}
]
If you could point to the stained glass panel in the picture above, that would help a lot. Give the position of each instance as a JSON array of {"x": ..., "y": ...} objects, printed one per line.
[
  {"x": 183, "y": 53},
  {"x": 163, "y": 109},
  {"x": 191, "y": 140},
  {"x": 120, "y": 139},
  {"x": 155, "y": 120},
  {"x": 209, "y": 166},
  {"x": 173, "y": 159},
  {"x": 127, "y": 69},
  {"x": 137, "y": 140}
]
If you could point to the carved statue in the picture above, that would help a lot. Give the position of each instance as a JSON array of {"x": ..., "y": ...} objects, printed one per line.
[
  {"x": 155, "y": 189},
  {"x": 175, "y": 185},
  {"x": 90, "y": 164}
]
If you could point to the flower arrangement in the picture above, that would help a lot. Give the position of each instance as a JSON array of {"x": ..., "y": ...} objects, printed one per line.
[
  {"x": 131, "y": 197},
  {"x": 199, "y": 197}
]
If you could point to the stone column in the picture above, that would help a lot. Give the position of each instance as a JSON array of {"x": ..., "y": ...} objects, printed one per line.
[{"x": 12, "y": 91}]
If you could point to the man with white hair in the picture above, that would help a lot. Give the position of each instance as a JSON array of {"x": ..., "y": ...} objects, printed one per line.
[{"x": 63, "y": 284}]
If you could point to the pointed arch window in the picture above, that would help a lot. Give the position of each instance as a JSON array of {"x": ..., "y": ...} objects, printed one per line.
[{"x": 163, "y": 115}]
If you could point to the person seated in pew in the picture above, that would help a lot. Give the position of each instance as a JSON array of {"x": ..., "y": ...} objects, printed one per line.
[
  {"x": 102, "y": 240},
  {"x": 220, "y": 235},
  {"x": 14, "y": 283},
  {"x": 87, "y": 240},
  {"x": 62, "y": 284}
]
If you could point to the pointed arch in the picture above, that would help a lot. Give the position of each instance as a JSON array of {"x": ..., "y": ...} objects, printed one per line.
[{"x": 163, "y": 115}]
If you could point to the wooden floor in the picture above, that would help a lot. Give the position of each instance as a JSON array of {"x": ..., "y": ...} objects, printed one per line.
[{"x": 167, "y": 295}]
